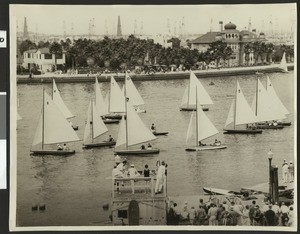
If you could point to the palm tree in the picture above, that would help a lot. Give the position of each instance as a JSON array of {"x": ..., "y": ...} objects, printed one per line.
[
  {"x": 56, "y": 49},
  {"x": 256, "y": 51}
]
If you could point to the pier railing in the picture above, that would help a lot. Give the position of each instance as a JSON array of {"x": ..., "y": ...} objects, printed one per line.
[{"x": 137, "y": 186}]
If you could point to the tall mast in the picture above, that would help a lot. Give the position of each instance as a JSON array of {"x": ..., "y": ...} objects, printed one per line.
[
  {"x": 43, "y": 118},
  {"x": 234, "y": 113},
  {"x": 197, "y": 113},
  {"x": 256, "y": 101},
  {"x": 126, "y": 99},
  {"x": 92, "y": 121},
  {"x": 187, "y": 104}
]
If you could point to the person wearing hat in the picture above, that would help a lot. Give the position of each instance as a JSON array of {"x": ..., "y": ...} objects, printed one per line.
[
  {"x": 184, "y": 211},
  {"x": 117, "y": 159},
  {"x": 132, "y": 173},
  {"x": 153, "y": 128}
]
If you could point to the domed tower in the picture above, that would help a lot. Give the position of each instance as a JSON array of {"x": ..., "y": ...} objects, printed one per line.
[{"x": 230, "y": 26}]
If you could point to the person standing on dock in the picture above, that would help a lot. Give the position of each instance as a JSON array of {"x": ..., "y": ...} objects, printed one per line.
[
  {"x": 160, "y": 177},
  {"x": 291, "y": 172},
  {"x": 132, "y": 173},
  {"x": 285, "y": 171},
  {"x": 212, "y": 214}
]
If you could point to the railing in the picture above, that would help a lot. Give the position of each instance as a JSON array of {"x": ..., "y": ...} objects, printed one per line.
[{"x": 137, "y": 185}]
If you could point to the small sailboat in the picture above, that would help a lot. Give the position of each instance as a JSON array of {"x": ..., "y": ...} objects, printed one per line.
[
  {"x": 102, "y": 105},
  {"x": 53, "y": 128},
  {"x": 273, "y": 95},
  {"x": 283, "y": 64},
  {"x": 240, "y": 113},
  {"x": 94, "y": 128},
  {"x": 61, "y": 105},
  {"x": 133, "y": 95},
  {"x": 266, "y": 108},
  {"x": 188, "y": 102},
  {"x": 132, "y": 132},
  {"x": 116, "y": 101},
  {"x": 204, "y": 129}
]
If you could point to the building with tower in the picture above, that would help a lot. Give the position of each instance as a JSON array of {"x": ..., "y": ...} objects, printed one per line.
[{"x": 232, "y": 37}]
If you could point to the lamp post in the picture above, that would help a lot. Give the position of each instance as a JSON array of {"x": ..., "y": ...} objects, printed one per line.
[{"x": 270, "y": 157}]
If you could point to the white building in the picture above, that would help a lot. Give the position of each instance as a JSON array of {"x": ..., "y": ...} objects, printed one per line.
[{"x": 42, "y": 59}]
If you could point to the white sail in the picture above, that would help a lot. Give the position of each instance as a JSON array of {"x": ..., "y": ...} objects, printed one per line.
[
  {"x": 283, "y": 64},
  {"x": 37, "y": 139},
  {"x": 54, "y": 125},
  {"x": 265, "y": 107},
  {"x": 243, "y": 112},
  {"x": 121, "y": 140},
  {"x": 203, "y": 96},
  {"x": 18, "y": 116},
  {"x": 190, "y": 132},
  {"x": 185, "y": 97},
  {"x": 132, "y": 93},
  {"x": 273, "y": 95},
  {"x": 230, "y": 117},
  {"x": 87, "y": 130},
  {"x": 98, "y": 125},
  {"x": 137, "y": 130},
  {"x": 106, "y": 102},
  {"x": 206, "y": 128},
  {"x": 100, "y": 103},
  {"x": 60, "y": 103},
  {"x": 117, "y": 99}
]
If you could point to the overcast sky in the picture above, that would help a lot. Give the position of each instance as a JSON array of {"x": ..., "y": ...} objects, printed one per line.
[{"x": 49, "y": 18}]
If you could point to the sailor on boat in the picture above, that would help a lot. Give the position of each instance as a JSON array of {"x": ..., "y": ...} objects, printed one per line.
[
  {"x": 59, "y": 147},
  {"x": 201, "y": 144},
  {"x": 149, "y": 147},
  {"x": 217, "y": 143},
  {"x": 132, "y": 173},
  {"x": 122, "y": 166},
  {"x": 153, "y": 128},
  {"x": 65, "y": 147},
  {"x": 143, "y": 147},
  {"x": 110, "y": 139}
]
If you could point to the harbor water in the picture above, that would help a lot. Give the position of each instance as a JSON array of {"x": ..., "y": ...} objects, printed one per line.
[{"x": 74, "y": 188}]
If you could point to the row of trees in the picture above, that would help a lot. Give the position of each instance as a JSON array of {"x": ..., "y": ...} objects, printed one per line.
[{"x": 122, "y": 54}]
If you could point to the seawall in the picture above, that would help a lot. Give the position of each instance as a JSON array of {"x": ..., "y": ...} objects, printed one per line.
[{"x": 80, "y": 78}]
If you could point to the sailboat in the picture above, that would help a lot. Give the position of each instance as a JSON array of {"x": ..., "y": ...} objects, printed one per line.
[
  {"x": 283, "y": 64},
  {"x": 204, "y": 129},
  {"x": 116, "y": 101},
  {"x": 94, "y": 128},
  {"x": 102, "y": 105},
  {"x": 265, "y": 108},
  {"x": 188, "y": 102},
  {"x": 132, "y": 132},
  {"x": 53, "y": 128},
  {"x": 61, "y": 105},
  {"x": 240, "y": 113},
  {"x": 133, "y": 95}
]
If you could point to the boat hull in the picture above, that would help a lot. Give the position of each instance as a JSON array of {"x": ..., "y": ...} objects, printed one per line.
[
  {"x": 215, "y": 191},
  {"x": 206, "y": 147},
  {"x": 160, "y": 133},
  {"x": 111, "y": 121},
  {"x": 99, "y": 144},
  {"x": 193, "y": 108},
  {"x": 285, "y": 124},
  {"x": 242, "y": 131},
  {"x": 52, "y": 152},
  {"x": 113, "y": 116},
  {"x": 137, "y": 151},
  {"x": 266, "y": 126}
]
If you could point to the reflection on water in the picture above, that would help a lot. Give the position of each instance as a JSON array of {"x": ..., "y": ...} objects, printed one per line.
[{"x": 74, "y": 188}]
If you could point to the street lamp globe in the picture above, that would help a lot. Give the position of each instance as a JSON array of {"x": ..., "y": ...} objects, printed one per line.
[{"x": 270, "y": 154}]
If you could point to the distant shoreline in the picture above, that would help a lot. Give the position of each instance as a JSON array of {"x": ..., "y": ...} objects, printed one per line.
[{"x": 83, "y": 78}]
